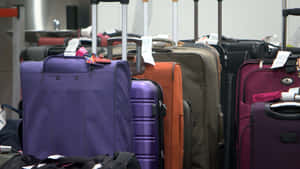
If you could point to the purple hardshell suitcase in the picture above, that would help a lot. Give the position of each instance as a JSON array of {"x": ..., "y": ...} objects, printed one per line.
[
  {"x": 148, "y": 111},
  {"x": 275, "y": 136},
  {"x": 76, "y": 109}
]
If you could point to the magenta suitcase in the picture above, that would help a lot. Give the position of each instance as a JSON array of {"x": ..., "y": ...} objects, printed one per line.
[
  {"x": 256, "y": 78},
  {"x": 253, "y": 80}
]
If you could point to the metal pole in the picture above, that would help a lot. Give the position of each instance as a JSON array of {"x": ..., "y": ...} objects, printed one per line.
[
  {"x": 284, "y": 26},
  {"x": 146, "y": 18},
  {"x": 94, "y": 29},
  {"x": 18, "y": 46},
  {"x": 175, "y": 22},
  {"x": 124, "y": 31},
  {"x": 196, "y": 23},
  {"x": 220, "y": 21}
]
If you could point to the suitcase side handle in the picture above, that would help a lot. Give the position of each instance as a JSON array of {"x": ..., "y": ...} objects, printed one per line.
[
  {"x": 138, "y": 43},
  {"x": 283, "y": 116}
]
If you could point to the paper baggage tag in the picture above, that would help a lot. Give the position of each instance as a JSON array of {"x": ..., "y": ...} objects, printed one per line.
[
  {"x": 72, "y": 47},
  {"x": 147, "y": 50},
  {"x": 281, "y": 59},
  {"x": 28, "y": 167},
  {"x": 97, "y": 166},
  {"x": 294, "y": 90},
  {"x": 2, "y": 118},
  {"x": 55, "y": 157}
]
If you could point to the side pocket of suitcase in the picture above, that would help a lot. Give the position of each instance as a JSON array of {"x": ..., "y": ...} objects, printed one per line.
[{"x": 187, "y": 159}]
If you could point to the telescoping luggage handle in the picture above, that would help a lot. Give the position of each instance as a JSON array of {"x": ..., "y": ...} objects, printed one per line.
[
  {"x": 175, "y": 21},
  {"x": 220, "y": 20},
  {"x": 124, "y": 25},
  {"x": 138, "y": 43},
  {"x": 285, "y": 13},
  {"x": 196, "y": 26}
]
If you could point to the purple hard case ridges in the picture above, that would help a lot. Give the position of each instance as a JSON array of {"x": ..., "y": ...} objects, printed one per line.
[{"x": 144, "y": 95}]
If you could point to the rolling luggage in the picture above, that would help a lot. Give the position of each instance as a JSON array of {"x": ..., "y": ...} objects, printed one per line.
[
  {"x": 252, "y": 78},
  {"x": 275, "y": 131},
  {"x": 200, "y": 81},
  {"x": 233, "y": 53},
  {"x": 168, "y": 76},
  {"x": 75, "y": 108},
  {"x": 200, "y": 71},
  {"x": 150, "y": 137},
  {"x": 148, "y": 112}
]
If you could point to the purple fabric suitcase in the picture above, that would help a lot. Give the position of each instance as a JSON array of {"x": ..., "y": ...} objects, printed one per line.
[
  {"x": 253, "y": 80},
  {"x": 148, "y": 111},
  {"x": 275, "y": 141},
  {"x": 76, "y": 109}
]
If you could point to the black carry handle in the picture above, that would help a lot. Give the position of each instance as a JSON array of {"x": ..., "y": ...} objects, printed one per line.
[
  {"x": 67, "y": 65},
  {"x": 283, "y": 116},
  {"x": 138, "y": 43},
  {"x": 121, "y": 1},
  {"x": 293, "y": 11}
]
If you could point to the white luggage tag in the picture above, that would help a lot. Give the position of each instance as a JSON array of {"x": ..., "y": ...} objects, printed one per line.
[
  {"x": 291, "y": 94},
  {"x": 281, "y": 59},
  {"x": 2, "y": 118},
  {"x": 72, "y": 47},
  {"x": 211, "y": 39},
  {"x": 147, "y": 50},
  {"x": 97, "y": 166}
]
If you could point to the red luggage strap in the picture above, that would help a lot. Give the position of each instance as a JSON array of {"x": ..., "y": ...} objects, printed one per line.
[{"x": 266, "y": 97}]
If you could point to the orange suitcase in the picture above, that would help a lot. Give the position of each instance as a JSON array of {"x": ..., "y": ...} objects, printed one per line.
[{"x": 169, "y": 76}]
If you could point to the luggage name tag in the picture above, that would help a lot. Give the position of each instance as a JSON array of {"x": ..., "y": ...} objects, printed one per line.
[
  {"x": 2, "y": 118},
  {"x": 147, "y": 50},
  {"x": 97, "y": 166},
  {"x": 72, "y": 47},
  {"x": 281, "y": 59},
  {"x": 31, "y": 166},
  {"x": 28, "y": 167}
]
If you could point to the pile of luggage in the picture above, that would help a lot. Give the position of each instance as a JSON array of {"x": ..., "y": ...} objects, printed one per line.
[{"x": 230, "y": 105}]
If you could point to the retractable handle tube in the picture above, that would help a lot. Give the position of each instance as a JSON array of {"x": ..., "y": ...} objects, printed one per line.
[
  {"x": 138, "y": 43},
  {"x": 146, "y": 16},
  {"x": 220, "y": 20},
  {"x": 175, "y": 21},
  {"x": 124, "y": 25},
  {"x": 285, "y": 13},
  {"x": 196, "y": 20}
]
